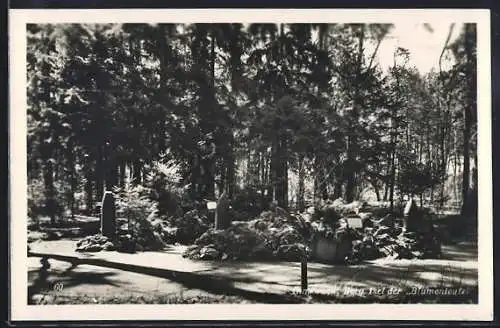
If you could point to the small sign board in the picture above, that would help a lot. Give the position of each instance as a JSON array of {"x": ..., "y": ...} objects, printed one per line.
[
  {"x": 354, "y": 223},
  {"x": 211, "y": 205}
]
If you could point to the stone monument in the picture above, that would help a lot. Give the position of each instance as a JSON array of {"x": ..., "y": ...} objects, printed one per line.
[
  {"x": 108, "y": 215},
  {"x": 222, "y": 219}
]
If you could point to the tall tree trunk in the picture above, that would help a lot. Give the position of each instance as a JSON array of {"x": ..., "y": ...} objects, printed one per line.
[
  {"x": 324, "y": 185},
  {"x": 284, "y": 176},
  {"x": 349, "y": 169},
  {"x": 111, "y": 178},
  {"x": 272, "y": 174},
  {"x": 208, "y": 164},
  {"x": 352, "y": 149},
  {"x": 248, "y": 171},
  {"x": 213, "y": 58},
  {"x": 455, "y": 172},
  {"x": 122, "y": 174},
  {"x": 48, "y": 181},
  {"x": 230, "y": 174},
  {"x": 235, "y": 80},
  {"x": 208, "y": 179},
  {"x": 377, "y": 192},
  {"x": 221, "y": 183},
  {"x": 280, "y": 173},
  {"x": 89, "y": 190},
  {"x": 337, "y": 189},
  {"x": 393, "y": 172},
  {"x": 318, "y": 177},
  {"x": 137, "y": 171},
  {"x": 72, "y": 177},
  {"x": 99, "y": 176},
  {"x": 468, "y": 109},
  {"x": 263, "y": 179},
  {"x": 386, "y": 191},
  {"x": 165, "y": 59},
  {"x": 194, "y": 177},
  {"x": 301, "y": 188}
]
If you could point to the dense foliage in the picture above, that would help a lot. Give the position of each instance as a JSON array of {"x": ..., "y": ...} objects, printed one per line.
[{"x": 287, "y": 113}]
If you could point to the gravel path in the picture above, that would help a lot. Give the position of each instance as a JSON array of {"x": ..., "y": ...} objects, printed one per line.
[{"x": 162, "y": 273}]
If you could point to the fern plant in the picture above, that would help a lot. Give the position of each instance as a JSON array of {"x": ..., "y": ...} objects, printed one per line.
[
  {"x": 165, "y": 182},
  {"x": 134, "y": 204}
]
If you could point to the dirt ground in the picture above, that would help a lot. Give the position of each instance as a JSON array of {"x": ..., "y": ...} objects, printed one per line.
[{"x": 113, "y": 275}]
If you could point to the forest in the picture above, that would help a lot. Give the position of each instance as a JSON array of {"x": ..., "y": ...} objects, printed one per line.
[{"x": 286, "y": 114}]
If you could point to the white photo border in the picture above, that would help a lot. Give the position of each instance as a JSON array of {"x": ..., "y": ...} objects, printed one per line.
[{"x": 21, "y": 311}]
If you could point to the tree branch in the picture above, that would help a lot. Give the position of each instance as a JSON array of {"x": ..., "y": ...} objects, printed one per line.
[
  {"x": 450, "y": 32},
  {"x": 375, "y": 52}
]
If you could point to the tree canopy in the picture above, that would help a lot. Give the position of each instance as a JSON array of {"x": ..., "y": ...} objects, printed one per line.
[{"x": 292, "y": 113}]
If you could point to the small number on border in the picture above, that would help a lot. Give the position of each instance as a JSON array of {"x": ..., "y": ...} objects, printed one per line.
[{"x": 58, "y": 286}]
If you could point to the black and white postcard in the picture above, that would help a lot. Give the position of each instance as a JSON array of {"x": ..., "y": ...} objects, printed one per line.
[{"x": 250, "y": 164}]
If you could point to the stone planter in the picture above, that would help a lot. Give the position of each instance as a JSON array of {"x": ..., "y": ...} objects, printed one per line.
[{"x": 332, "y": 250}]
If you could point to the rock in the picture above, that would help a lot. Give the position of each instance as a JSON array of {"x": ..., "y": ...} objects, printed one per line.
[
  {"x": 48, "y": 299},
  {"x": 94, "y": 243},
  {"x": 123, "y": 228},
  {"x": 108, "y": 246},
  {"x": 342, "y": 224},
  {"x": 53, "y": 235},
  {"x": 281, "y": 212},
  {"x": 126, "y": 237},
  {"x": 192, "y": 252},
  {"x": 258, "y": 224},
  {"x": 255, "y": 239},
  {"x": 126, "y": 244},
  {"x": 311, "y": 210},
  {"x": 37, "y": 299},
  {"x": 209, "y": 253},
  {"x": 338, "y": 202},
  {"x": 102, "y": 240},
  {"x": 307, "y": 217},
  {"x": 365, "y": 215},
  {"x": 93, "y": 248}
]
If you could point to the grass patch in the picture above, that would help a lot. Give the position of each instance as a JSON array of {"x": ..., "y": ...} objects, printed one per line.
[
  {"x": 55, "y": 299},
  {"x": 345, "y": 295}
]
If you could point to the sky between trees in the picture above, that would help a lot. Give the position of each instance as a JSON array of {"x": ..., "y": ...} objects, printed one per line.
[{"x": 425, "y": 46}]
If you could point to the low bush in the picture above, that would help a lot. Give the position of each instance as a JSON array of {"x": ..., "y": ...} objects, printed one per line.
[{"x": 39, "y": 204}]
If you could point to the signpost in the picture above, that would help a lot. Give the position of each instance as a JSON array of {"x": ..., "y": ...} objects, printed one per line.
[{"x": 303, "y": 274}]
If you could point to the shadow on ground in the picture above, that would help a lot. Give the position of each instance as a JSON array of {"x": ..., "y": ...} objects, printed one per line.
[
  {"x": 210, "y": 283},
  {"x": 233, "y": 279}
]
